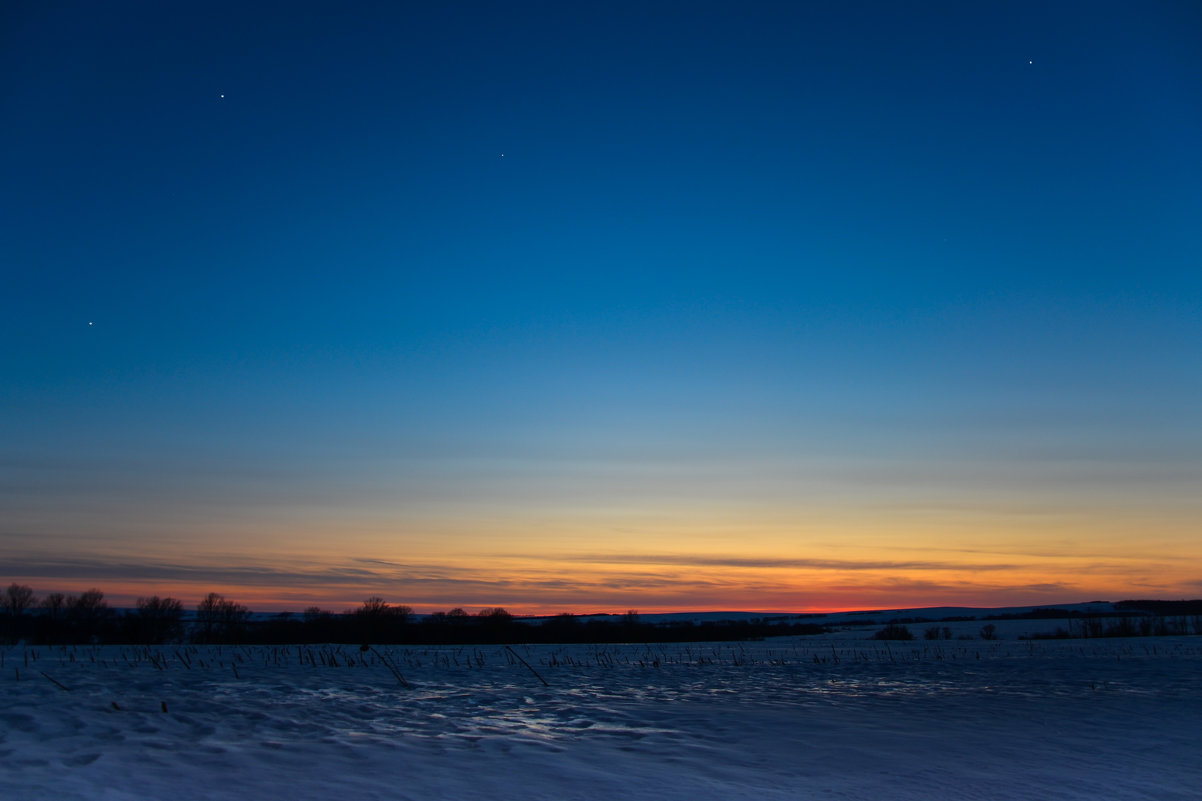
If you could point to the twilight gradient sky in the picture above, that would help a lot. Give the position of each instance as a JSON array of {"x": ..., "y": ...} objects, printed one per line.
[{"x": 774, "y": 306}]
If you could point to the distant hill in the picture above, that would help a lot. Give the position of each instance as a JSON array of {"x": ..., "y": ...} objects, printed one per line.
[{"x": 931, "y": 614}]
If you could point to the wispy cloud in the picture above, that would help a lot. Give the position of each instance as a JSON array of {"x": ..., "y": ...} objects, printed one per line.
[
  {"x": 99, "y": 569},
  {"x": 687, "y": 560},
  {"x": 582, "y": 582}
]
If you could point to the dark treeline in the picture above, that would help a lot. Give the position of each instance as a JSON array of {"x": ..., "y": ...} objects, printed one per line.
[
  {"x": 1140, "y": 625},
  {"x": 1162, "y": 607},
  {"x": 1126, "y": 619},
  {"x": 498, "y": 626},
  {"x": 87, "y": 618}
]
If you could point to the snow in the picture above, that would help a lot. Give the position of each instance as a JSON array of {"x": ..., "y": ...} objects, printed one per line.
[{"x": 785, "y": 718}]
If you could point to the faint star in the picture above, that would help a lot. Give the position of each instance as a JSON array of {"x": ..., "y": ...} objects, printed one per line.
[
  {"x": 223, "y": 95},
  {"x": 89, "y": 323}
]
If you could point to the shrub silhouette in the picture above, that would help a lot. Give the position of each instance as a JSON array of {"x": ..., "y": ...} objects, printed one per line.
[{"x": 894, "y": 631}]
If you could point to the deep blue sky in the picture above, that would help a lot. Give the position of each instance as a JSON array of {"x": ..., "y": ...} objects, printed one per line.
[{"x": 811, "y": 258}]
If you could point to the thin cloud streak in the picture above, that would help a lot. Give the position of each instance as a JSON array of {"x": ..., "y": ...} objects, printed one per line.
[
  {"x": 770, "y": 563},
  {"x": 169, "y": 571},
  {"x": 410, "y": 576},
  {"x": 546, "y": 585}
]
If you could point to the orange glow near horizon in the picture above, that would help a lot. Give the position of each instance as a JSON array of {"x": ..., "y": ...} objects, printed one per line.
[
  {"x": 651, "y": 583},
  {"x": 784, "y": 555}
]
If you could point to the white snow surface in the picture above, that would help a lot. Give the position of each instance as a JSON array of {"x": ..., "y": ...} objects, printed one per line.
[{"x": 785, "y": 718}]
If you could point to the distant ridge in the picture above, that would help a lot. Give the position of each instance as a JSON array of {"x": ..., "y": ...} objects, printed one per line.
[
  {"x": 931, "y": 614},
  {"x": 863, "y": 617}
]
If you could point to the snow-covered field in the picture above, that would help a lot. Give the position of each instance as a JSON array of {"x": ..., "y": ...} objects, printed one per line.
[{"x": 790, "y": 718}]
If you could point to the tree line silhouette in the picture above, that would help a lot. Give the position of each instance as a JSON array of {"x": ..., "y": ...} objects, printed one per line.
[{"x": 87, "y": 618}]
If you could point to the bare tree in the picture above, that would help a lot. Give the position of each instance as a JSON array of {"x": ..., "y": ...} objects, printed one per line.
[
  {"x": 54, "y": 604},
  {"x": 16, "y": 599},
  {"x": 218, "y": 618},
  {"x": 379, "y": 621},
  {"x": 315, "y": 614},
  {"x": 494, "y": 619},
  {"x": 207, "y": 616},
  {"x": 376, "y": 608},
  {"x": 87, "y": 606},
  {"x": 373, "y": 607},
  {"x": 159, "y": 619},
  {"x": 87, "y": 614}
]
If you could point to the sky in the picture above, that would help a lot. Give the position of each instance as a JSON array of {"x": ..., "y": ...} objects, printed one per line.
[{"x": 577, "y": 307}]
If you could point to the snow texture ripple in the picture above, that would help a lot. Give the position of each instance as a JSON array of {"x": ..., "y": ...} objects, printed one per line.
[{"x": 790, "y": 718}]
